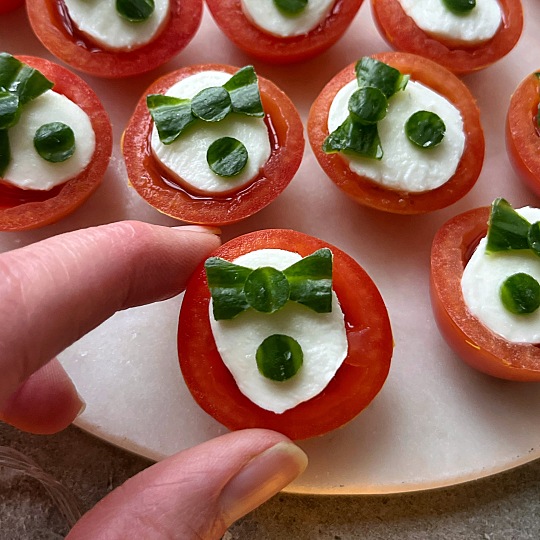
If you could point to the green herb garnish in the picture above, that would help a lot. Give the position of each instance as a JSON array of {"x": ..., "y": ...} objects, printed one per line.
[
  {"x": 266, "y": 289},
  {"x": 425, "y": 129},
  {"x": 371, "y": 72},
  {"x": 10, "y": 110},
  {"x": 354, "y": 137},
  {"x": 171, "y": 115},
  {"x": 459, "y": 7},
  {"x": 55, "y": 142},
  {"x": 227, "y": 156},
  {"x": 291, "y": 8},
  {"x": 507, "y": 230},
  {"x": 243, "y": 87},
  {"x": 279, "y": 357},
  {"x": 211, "y": 104},
  {"x": 368, "y": 104},
  {"x": 5, "y": 153},
  {"x": 135, "y": 11},
  {"x": 520, "y": 294}
]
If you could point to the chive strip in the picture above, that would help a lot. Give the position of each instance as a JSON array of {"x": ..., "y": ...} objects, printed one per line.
[
  {"x": 459, "y": 7},
  {"x": 172, "y": 116},
  {"x": 243, "y": 88},
  {"x": 520, "y": 294},
  {"x": 55, "y": 142},
  {"x": 266, "y": 289},
  {"x": 279, "y": 357},
  {"x": 211, "y": 104},
  {"x": 227, "y": 157},
  {"x": 135, "y": 11},
  {"x": 5, "y": 152},
  {"x": 310, "y": 281},
  {"x": 353, "y": 137},
  {"x": 290, "y": 8},
  {"x": 425, "y": 129},
  {"x": 371, "y": 72},
  {"x": 506, "y": 228}
]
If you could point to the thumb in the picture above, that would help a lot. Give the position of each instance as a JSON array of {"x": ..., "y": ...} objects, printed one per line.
[{"x": 197, "y": 493}]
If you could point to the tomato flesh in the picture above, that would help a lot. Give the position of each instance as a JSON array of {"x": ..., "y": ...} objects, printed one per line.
[
  {"x": 355, "y": 384},
  {"x": 53, "y": 28},
  {"x": 28, "y": 209},
  {"x": 151, "y": 182},
  {"x": 230, "y": 17},
  {"x": 467, "y": 336},
  {"x": 522, "y": 133},
  {"x": 369, "y": 193},
  {"x": 402, "y": 34}
]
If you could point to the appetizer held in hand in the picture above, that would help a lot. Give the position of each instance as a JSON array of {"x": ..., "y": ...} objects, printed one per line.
[
  {"x": 212, "y": 144},
  {"x": 280, "y": 330},
  {"x": 284, "y": 31},
  {"x": 485, "y": 290},
  {"x": 115, "y": 38},
  {"x": 398, "y": 133},
  {"x": 55, "y": 142}
]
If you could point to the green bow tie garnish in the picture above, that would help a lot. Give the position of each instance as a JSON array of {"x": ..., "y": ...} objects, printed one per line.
[{"x": 235, "y": 288}]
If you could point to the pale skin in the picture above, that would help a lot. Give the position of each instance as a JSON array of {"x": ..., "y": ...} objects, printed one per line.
[{"x": 57, "y": 290}]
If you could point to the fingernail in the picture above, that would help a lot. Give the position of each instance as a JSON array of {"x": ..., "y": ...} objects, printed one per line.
[
  {"x": 261, "y": 478},
  {"x": 82, "y": 407},
  {"x": 198, "y": 229}
]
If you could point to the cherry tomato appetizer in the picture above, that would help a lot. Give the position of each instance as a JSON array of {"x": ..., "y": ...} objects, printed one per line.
[
  {"x": 10, "y": 5},
  {"x": 401, "y": 33},
  {"x": 473, "y": 342},
  {"x": 152, "y": 182},
  {"x": 523, "y": 132},
  {"x": 230, "y": 17},
  {"x": 54, "y": 28},
  {"x": 22, "y": 209},
  {"x": 353, "y": 387},
  {"x": 369, "y": 193}
]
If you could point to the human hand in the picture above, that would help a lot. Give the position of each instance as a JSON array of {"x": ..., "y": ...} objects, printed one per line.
[{"x": 54, "y": 292}]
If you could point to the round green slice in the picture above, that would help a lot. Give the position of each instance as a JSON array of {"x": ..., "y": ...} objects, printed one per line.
[
  {"x": 279, "y": 357},
  {"x": 291, "y": 7},
  {"x": 266, "y": 289},
  {"x": 55, "y": 142},
  {"x": 459, "y": 7},
  {"x": 368, "y": 104},
  {"x": 425, "y": 129},
  {"x": 211, "y": 104},
  {"x": 135, "y": 10},
  {"x": 520, "y": 294},
  {"x": 227, "y": 156}
]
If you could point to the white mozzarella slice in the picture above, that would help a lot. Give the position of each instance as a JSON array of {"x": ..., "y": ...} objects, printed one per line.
[
  {"x": 27, "y": 169},
  {"x": 482, "y": 280},
  {"x": 101, "y": 22},
  {"x": 185, "y": 159},
  {"x": 476, "y": 26},
  {"x": 322, "y": 337},
  {"x": 266, "y": 16},
  {"x": 405, "y": 166}
]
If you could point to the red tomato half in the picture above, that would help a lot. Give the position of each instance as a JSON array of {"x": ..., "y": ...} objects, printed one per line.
[
  {"x": 402, "y": 34},
  {"x": 56, "y": 31},
  {"x": 150, "y": 180},
  {"x": 369, "y": 193},
  {"x": 230, "y": 17},
  {"x": 9, "y": 5},
  {"x": 522, "y": 133},
  {"x": 28, "y": 209},
  {"x": 469, "y": 338},
  {"x": 355, "y": 384}
]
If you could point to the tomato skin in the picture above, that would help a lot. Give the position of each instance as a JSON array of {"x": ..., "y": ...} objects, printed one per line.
[
  {"x": 522, "y": 134},
  {"x": 467, "y": 336},
  {"x": 402, "y": 34},
  {"x": 367, "y": 192},
  {"x": 230, "y": 17},
  {"x": 355, "y": 384},
  {"x": 64, "y": 199},
  {"x": 9, "y": 5},
  {"x": 183, "y": 23},
  {"x": 274, "y": 178}
]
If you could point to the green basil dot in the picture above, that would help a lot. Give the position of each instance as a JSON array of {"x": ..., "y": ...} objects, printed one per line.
[
  {"x": 266, "y": 289},
  {"x": 425, "y": 129},
  {"x": 5, "y": 152},
  {"x": 279, "y": 357},
  {"x": 211, "y": 104},
  {"x": 55, "y": 142},
  {"x": 520, "y": 294},
  {"x": 9, "y": 110},
  {"x": 533, "y": 238},
  {"x": 135, "y": 10},
  {"x": 459, "y": 7},
  {"x": 369, "y": 104},
  {"x": 291, "y": 7},
  {"x": 227, "y": 156}
]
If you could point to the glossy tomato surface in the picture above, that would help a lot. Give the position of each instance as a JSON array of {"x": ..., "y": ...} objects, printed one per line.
[
  {"x": 54, "y": 29},
  {"x": 230, "y": 17},
  {"x": 150, "y": 180},
  {"x": 9, "y": 5},
  {"x": 355, "y": 384},
  {"x": 473, "y": 342},
  {"x": 368, "y": 192},
  {"x": 522, "y": 132},
  {"x": 402, "y": 34},
  {"x": 29, "y": 209}
]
